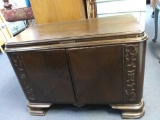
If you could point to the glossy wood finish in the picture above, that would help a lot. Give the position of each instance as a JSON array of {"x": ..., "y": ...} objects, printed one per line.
[
  {"x": 91, "y": 63},
  {"x": 47, "y": 11},
  {"x": 95, "y": 71},
  {"x": 38, "y": 108},
  {"x": 131, "y": 111},
  {"x": 48, "y": 75},
  {"x": 109, "y": 29}
]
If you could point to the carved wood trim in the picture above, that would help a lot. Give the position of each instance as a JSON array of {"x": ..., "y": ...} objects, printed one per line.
[
  {"x": 18, "y": 65},
  {"x": 91, "y": 9},
  {"x": 130, "y": 69}
]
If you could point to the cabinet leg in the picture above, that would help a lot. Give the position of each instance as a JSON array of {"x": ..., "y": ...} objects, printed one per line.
[
  {"x": 38, "y": 109},
  {"x": 130, "y": 110}
]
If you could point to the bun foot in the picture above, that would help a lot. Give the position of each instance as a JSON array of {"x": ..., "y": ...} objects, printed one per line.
[
  {"x": 130, "y": 110},
  {"x": 38, "y": 109}
]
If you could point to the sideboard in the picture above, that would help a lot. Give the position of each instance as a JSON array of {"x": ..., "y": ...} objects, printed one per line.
[{"x": 94, "y": 61}]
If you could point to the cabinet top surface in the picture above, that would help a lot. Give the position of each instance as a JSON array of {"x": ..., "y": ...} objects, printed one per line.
[{"x": 80, "y": 29}]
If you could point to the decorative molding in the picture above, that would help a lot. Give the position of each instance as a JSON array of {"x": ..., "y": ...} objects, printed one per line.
[
  {"x": 91, "y": 9},
  {"x": 130, "y": 111},
  {"x": 38, "y": 109},
  {"x": 22, "y": 75},
  {"x": 130, "y": 67}
]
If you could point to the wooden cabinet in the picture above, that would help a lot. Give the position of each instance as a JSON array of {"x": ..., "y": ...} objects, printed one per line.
[{"x": 96, "y": 61}]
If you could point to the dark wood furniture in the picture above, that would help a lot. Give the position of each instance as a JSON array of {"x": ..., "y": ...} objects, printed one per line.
[{"x": 95, "y": 61}]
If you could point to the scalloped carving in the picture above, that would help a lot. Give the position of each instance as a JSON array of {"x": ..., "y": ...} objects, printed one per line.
[
  {"x": 22, "y": 75},
  {"x": 130, "y": 66}
]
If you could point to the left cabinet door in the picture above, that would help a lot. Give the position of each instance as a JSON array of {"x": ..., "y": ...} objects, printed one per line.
[{"x": 47, "y": 75}]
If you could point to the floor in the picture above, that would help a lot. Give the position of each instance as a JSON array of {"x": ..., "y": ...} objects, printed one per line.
[{"x": 13, "y": 102}]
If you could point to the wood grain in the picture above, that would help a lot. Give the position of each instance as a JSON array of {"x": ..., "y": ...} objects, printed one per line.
[
  {"x": 107, "y": 26},
  {"x": 47, "y": 11}
]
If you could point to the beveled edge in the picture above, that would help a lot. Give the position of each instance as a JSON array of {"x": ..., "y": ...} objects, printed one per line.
[
  {"x": 130, "y": 110},
  {"x": 69, "y": 44},
  {"x": 23, "y": 40},
  {"x": 129, "y": 106},
  {"x": 38, "y": 109},
  {"x": 79, "y": 38},
  {"x": 133, "y": 115},
  {"x": 39, "y": 105}
]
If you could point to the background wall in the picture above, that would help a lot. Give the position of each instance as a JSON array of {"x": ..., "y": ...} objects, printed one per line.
[{"x": 15, "y": 3}]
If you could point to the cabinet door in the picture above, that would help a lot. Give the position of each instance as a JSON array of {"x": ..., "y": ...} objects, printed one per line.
[
  {"x": 97, "y": 74},
  {"x": 48, "y": 76}
]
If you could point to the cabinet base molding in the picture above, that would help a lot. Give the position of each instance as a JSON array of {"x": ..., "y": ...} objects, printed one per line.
[
  {"x": 38, "y": 109},
  {"x": 130, "y": 111}
]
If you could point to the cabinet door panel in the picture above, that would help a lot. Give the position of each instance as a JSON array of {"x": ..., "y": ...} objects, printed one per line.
[
  {"x": 49, "y": 76},
  {"x": 97, "y": 74}
]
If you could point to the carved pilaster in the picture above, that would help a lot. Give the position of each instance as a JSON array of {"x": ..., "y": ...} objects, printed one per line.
[
  {"x": 130, "y": 68},
  {"x": 22, "y": 75},
  {"x": 91, "y": 9}
]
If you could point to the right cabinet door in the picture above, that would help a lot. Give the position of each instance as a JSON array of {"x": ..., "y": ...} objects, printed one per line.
[{"x": 97, "y": 74}]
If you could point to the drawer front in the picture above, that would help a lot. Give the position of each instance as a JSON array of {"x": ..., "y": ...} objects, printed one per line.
[
  {"x": 98, "y": 74},
  {"x": 44, "y": 76}
]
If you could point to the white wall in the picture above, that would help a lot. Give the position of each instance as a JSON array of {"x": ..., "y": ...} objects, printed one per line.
[
  {"x": 15, "y": 3},
  {"x": 18, "y": 3},
  {"x": 1, "y": 4}
]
